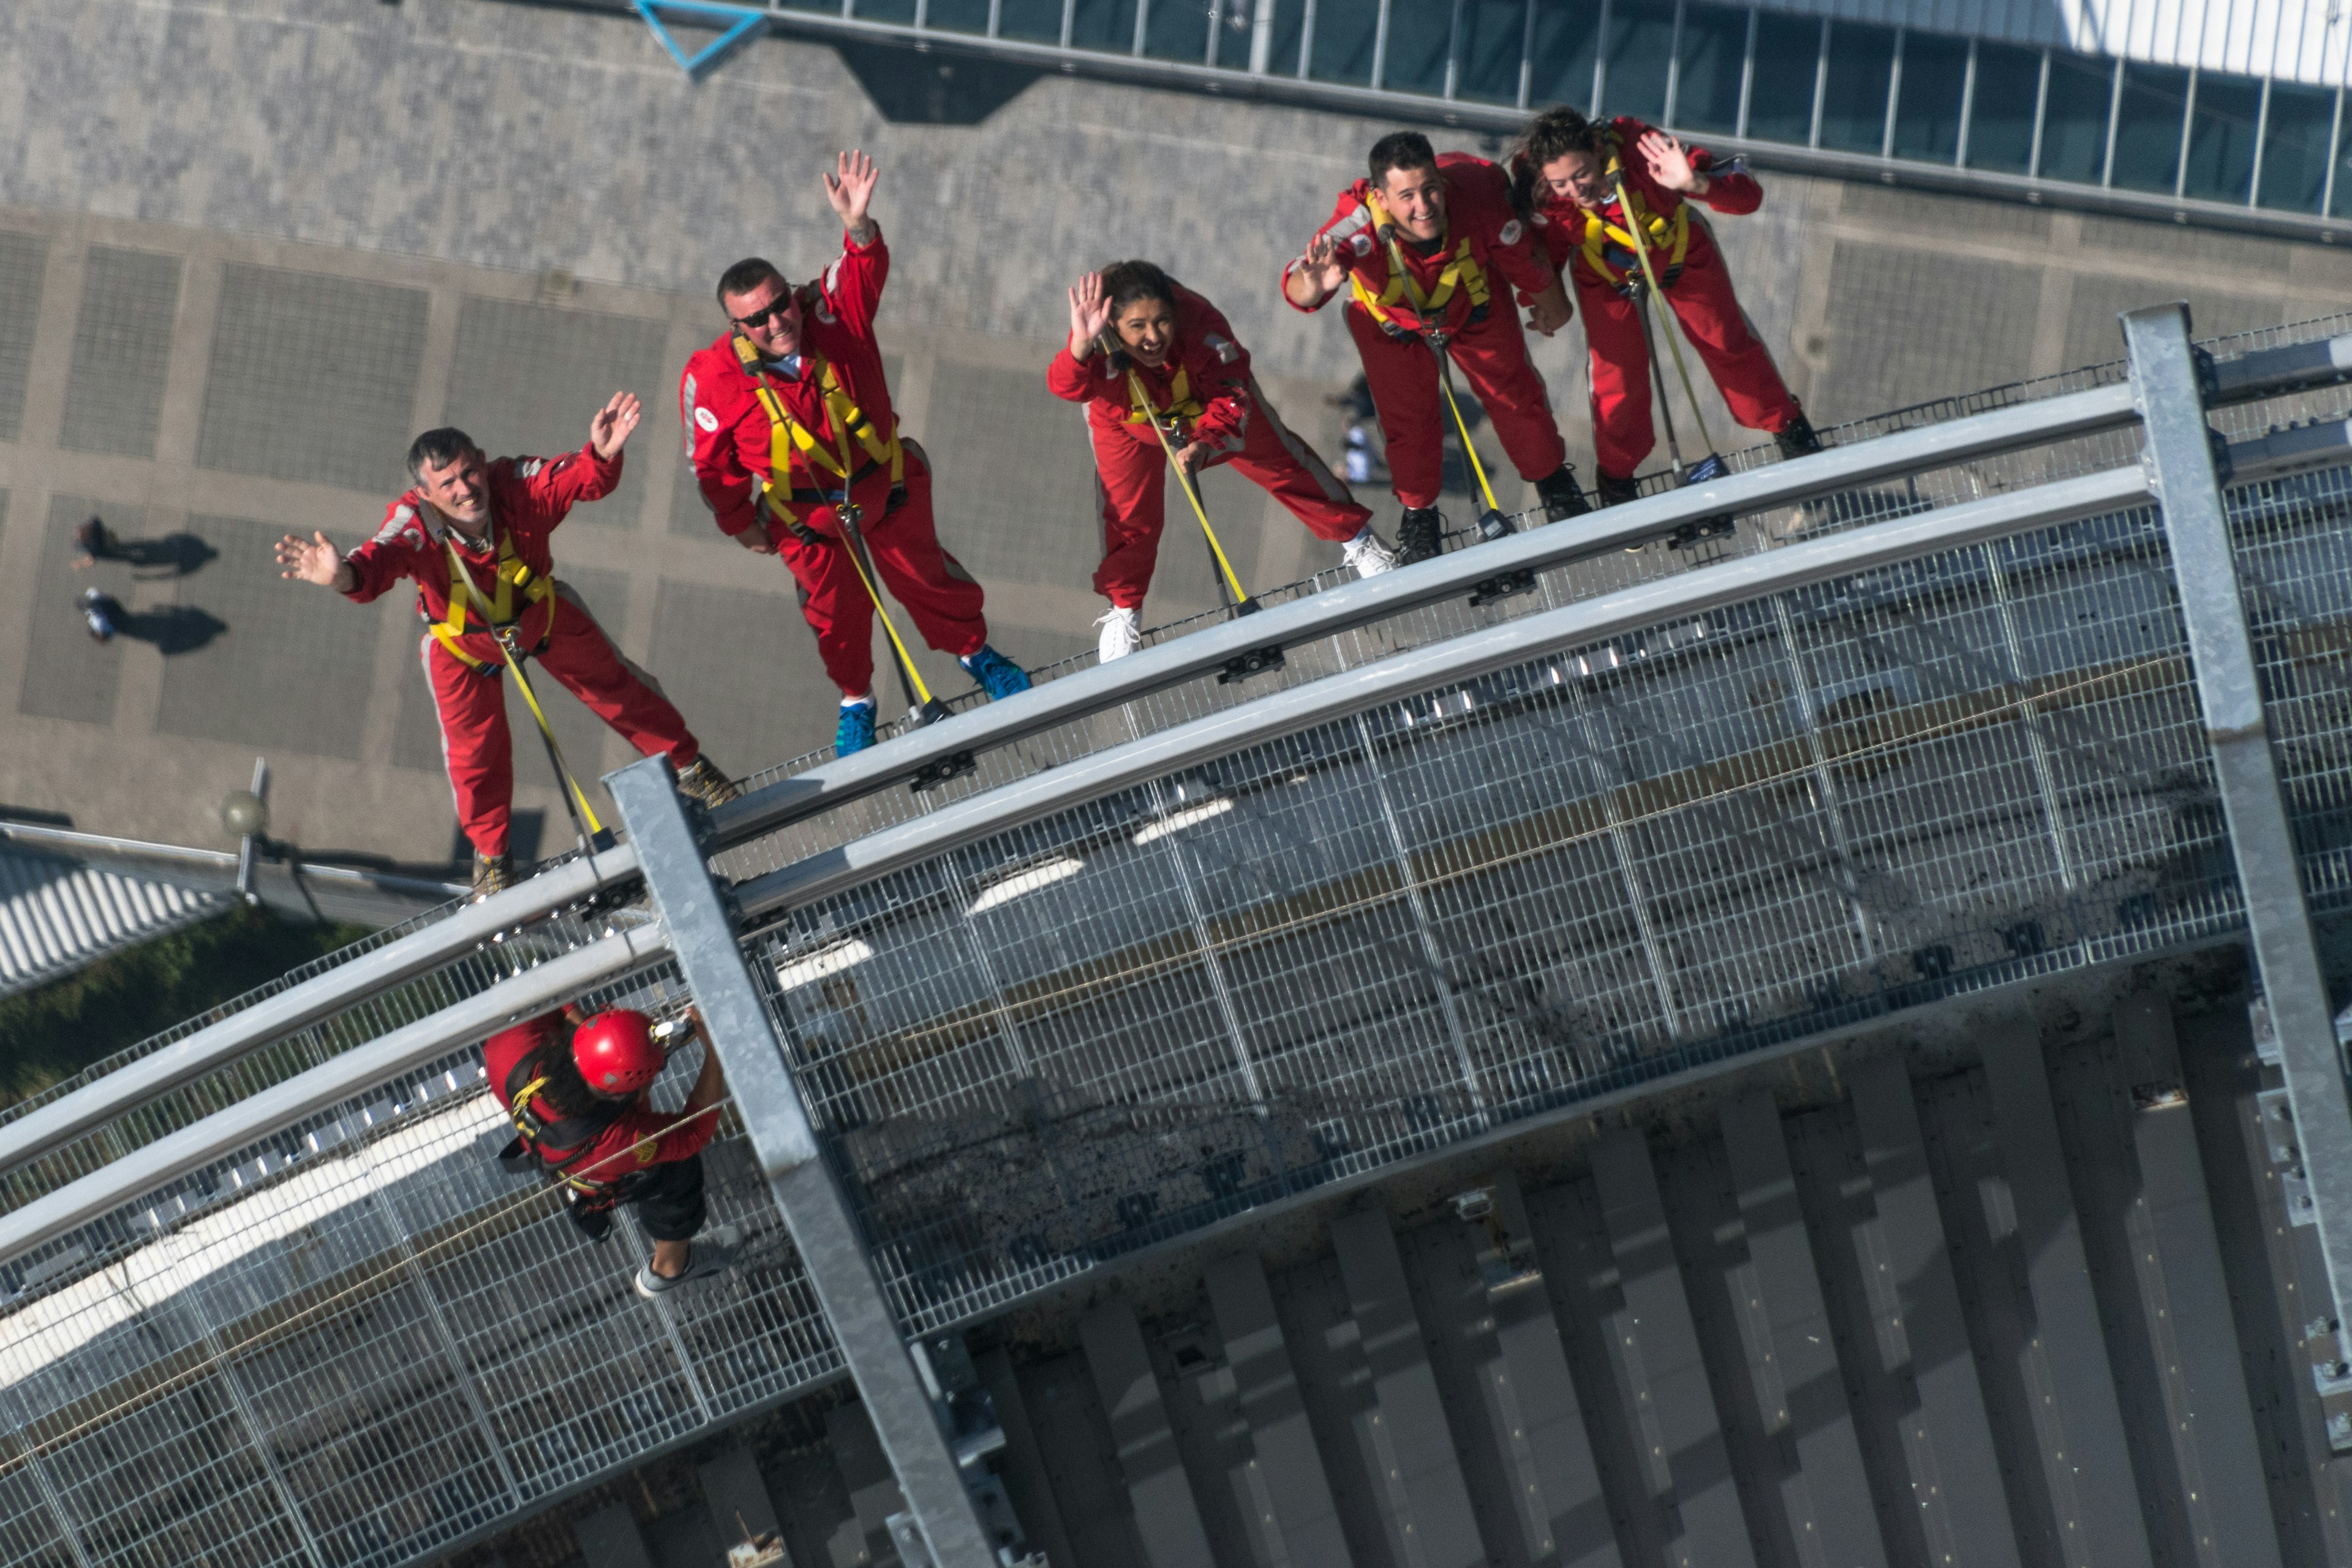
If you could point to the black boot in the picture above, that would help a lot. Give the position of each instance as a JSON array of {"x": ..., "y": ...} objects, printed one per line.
[
  {"x": 1560, "y": 497},
  {"x": 1799, "y": 439},
  {"x": 1615, "y": 491},
  {"x": 1419, "y": 536}
]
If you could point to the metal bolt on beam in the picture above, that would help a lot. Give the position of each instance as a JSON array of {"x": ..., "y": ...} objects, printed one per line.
[
  {"x": 815, "y": 1209},
  {"x": 2180, "y": 461}
]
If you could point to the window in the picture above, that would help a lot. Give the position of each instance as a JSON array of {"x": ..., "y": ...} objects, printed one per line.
[
  {"x": 1037, "y": 21},
  {"x": 2000, "y": 116},
  {"x": 1567, "y": 33},
  {"x": 1106, "y": 25},
  {"x": 1493, "y": 33},
  {"x": 1854, "y": 92},
  {"x": 1342, "y": 48},
  {"x": 899, "y": 11},
  {"x": 961, "y": 17},
  {"x": 2222, "y": 124},
  {"x": 2147, "y": 127},
  {"x": 1787, "y": 60},
  {"x": 1706, "y": 91},
  {"x": 1927, "y": 98},
  {"x": 1178, "y": 30},
  {"x": 1419, "y": 35},
  {"x": 1289, "y": 33},
  {"x": 2294, "y": 148},
  {"x": 2074, "y": 119},
  {"x": 1640, "y": 42}
]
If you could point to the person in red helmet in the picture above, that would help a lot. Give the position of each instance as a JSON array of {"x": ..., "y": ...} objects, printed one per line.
[
  {"x": 1144, "y": 349},
  {"x": 1430, "y": 249},
  {"x": 1564, "y": 173},
  {"x": 473, "y": 535},
  {"x": 789, "y": 428},
  {"x": 576, "y": 1089}
]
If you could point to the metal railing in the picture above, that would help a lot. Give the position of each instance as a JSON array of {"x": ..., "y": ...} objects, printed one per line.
[{"x": 1178, "y": 952}]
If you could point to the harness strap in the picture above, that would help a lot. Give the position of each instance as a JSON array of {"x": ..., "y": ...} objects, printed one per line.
[
  {"x": 497, "y": 614},
  {"x": 1671, "y": 235},
  {"x": 791, "y": 440},
  {"x": 579, "y": 1134},
  {"x": 1462, "y": 269},
  {"x": 1180, "y": 403}
]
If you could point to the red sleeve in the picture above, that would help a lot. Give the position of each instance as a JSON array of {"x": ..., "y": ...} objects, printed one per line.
[
  {"x": 1070, "y": 378},
  {"x": 509, "y": 1045},
  {"x": 1349, "y": 218},
  {"x": 1483, "y": 193},
  {"x": 852, "y": 286},
  {"x": 726, "y": 439},
  {"x": 1734, "y": 194},
  {"x": 556, "y": 485},
  {"x": 395, "y": 552},
  {"x": 643, "y": 1137},
  {"x": 1219, "y": 371}
]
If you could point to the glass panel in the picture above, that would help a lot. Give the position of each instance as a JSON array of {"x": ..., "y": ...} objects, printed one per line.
[
  {"x": 2222, "y": 138},
  {"x": 1927, "y": 106},
  {"x": 1033, "y": 21},
  {"x": 1641, "y": 42},
  {"x": 901, "y": 12},
  {"x": 2147, "y": 127},
  {"x": 1566, "y": 32},
  {"x": 1853, "y": 96},
  {"x": 2000, "y": 122},
  {"x": 1177, "y": 30},
  {"x": 1493, "y": 33},
  {"x": 2295, "y": 154},
  {"x": 1419, "y": 36},
  {"x": 1706, "y": 91},
  {"x": 1342, "y": 45},
  {"x": 1788, "y": 58},
  {"x": 1289, "y": 27},
  {"x": 2074, "y": 119},
  {"x": 1106, "y": 25},
  {"x": 958, "y": 16}
]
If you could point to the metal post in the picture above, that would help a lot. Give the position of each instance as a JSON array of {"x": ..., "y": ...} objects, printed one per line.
[
  {"x": 2188, "y": 130},
  {"x": 2261, "y": 136},
  {"x": 2041, "y": 115},
  {"x": 2180, "y": 460},
  {"x": 1748, "y": 70},
  {"x": 2334, "y": 145},
  {"x": 1894, "y": 99},
  {"x": 1261, "y": 37},
  {"x": 1821, "y": 84},
  {"x": 1968, "y": 108},
  {"x": 815, "y": 1209},
  {"x": 2114, "y": 118}
]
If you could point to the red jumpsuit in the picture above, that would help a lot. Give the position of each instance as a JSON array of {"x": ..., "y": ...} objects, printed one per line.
[
  {"x": 733, "y": 444},
  {"x": 529, "y": 496},
  {"x": 1483, "y": 238},
  {"x": 641, "y": 1136},
  {"x": 1219, "y": 405},
  {"x": 1580, "y": 246}
]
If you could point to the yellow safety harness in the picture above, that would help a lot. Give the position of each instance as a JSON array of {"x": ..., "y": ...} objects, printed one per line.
[
  {"x": 1461, "y": 270},
  {"x": 1669, "y": 236},
  {"x": 499, "y": 614},
  {"x": 1181, "y": 402},
  {"x": 790, "y": 439}
]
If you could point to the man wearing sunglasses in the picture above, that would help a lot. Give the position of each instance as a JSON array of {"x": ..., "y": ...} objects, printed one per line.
[{"x": 789, "y": 425}]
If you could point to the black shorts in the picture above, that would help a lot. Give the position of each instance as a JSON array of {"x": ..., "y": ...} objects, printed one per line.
[{"x": 668, "y": 1199}]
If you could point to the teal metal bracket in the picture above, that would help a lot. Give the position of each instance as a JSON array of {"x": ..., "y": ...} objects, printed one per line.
[{"x": 746, "y": 21}]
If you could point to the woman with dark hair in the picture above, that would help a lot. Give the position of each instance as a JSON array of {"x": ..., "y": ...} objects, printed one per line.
[
  {"x": 1145, "y": 350},
  {"x": 1564, "y": 174}
]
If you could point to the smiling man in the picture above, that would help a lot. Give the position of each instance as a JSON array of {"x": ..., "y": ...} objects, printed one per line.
[
  {"x": 789, "y": 428},
  {"x": 1427, "y": 245},
  {"x": 473, "y": 536}
]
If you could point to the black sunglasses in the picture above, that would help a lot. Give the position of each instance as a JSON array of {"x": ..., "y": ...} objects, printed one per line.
[{"x": 758, "y": 319}]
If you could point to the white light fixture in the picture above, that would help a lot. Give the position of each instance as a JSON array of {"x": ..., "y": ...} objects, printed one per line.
[
  {"x": 817, "y": 965},
  {"x": 1028, "y": 880},
  {"x": 1177, "y": 821}
]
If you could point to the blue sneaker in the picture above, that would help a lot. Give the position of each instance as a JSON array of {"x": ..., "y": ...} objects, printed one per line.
[
  {"x": 854, "y": 730},
  {"x": 998, "y": 676}
]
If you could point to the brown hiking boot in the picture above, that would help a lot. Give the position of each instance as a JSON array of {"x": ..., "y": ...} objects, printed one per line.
[
  {"x": 706, "y": 785},
  {"x": 492, "y": 873}
]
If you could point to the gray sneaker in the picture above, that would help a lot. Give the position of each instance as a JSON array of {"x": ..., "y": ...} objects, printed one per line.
[{"x": 712, "y": 1252}]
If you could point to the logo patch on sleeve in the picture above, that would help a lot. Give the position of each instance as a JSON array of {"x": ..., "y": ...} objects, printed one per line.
[
  {"x": 1225, "y": 350},
  {"x": 1361, "y": 245},
  {"x": 1511, "y": 232},
  {"x": 707, "y": 419}
]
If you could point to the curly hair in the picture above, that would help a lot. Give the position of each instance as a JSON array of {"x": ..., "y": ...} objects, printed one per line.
[
  {"x": 1124, "y": 282},
  {"x": 1552, "y": 134}
]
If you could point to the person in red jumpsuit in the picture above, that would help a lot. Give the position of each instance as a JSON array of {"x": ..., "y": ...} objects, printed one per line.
[
  {"x": 1144, "y": 349},
  {"x": 578, "y": 1093},
  {"x": 1561, "y": 172},
  {"x": 788, "y": 420},
  {"x": 490, "y": 520},
  {"x": 1449, "y": 220}
]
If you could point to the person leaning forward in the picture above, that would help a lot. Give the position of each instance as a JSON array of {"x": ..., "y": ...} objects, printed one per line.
[
  {"x": 473, "y": 535},
  {"x": 1424, "y": 245},
  {"x": 578, "y": 1091},
  {"x": 789, "y": 425}
]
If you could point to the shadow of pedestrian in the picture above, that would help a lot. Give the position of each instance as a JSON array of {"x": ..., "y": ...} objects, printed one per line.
[
  {"x": 172, "y": 629},
  {"x": 173, "y": 555}
]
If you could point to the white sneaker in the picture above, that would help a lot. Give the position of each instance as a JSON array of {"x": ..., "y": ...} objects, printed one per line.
[
  {"x": 1367, "y": 554},
  {"x": 1122, "y": 634}
]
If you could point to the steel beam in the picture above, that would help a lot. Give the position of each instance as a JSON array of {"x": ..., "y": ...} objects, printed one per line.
[
  {"x": 816, "y": 1212},
  {"x": 2180, "y": 461}
]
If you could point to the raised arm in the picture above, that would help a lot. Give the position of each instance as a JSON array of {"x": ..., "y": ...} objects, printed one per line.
[
  {"x": 852, "y": 286},
  {"x": 1068, "y": 377}
]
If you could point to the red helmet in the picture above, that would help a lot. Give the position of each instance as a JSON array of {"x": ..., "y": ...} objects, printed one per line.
[{"x": 616, "y": 1052}]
